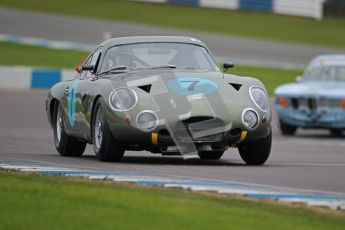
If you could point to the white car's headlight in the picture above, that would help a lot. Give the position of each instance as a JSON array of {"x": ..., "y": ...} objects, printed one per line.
[
  {"x": 123, "y": 99},
  {"x": 250, "y": 118},
  {"x": 147, "y": 120},
  {"x": 259, "y": 97}
]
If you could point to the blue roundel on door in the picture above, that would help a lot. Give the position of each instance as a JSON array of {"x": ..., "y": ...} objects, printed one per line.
[{"x": 192, "y": 85}]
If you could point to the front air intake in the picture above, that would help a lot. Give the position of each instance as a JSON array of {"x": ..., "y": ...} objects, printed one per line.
[
  {"x": 146, "y": 88},
  {"x": 236, "y": 86}
]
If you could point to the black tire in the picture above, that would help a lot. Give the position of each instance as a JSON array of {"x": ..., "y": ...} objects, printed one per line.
[
  {"x": 336, "y": 132},
  {"x": 106, "y": 147},
  {"x": 286, "y": 129},
  {"x": 65, "y": 145},
  {"x": 210, "y": 155},
  {"x": 256, "y": 152}
]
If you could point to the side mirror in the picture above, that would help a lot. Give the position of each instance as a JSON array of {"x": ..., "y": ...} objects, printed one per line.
[
  {"x": 298, "y": 78},
  {"x": 87, "y": 68},
  {"x": 227, "y": 66},
  {"x": 78, "y": 69}
]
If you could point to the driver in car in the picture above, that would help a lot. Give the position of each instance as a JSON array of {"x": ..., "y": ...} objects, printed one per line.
[
  {"x": 123, "y": 59},
  {"x": 119, "y": 59}
]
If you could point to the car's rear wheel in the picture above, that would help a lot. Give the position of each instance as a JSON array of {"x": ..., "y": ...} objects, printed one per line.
[
  {"x": 210, "y": 155},
  {"x": 256, "y": 152},
  {"x": 106, "y": 147},
  {"x": 287, "y": 129},
  {"x": 336, "y": 132},
  {"x": 65, "y": 145}
]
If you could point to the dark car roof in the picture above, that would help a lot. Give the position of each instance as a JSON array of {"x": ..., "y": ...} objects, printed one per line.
[{"x": 144, "y": 39}]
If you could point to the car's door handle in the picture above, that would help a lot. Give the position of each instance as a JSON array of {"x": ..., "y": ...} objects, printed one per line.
[{"x": 67, "y": 90}]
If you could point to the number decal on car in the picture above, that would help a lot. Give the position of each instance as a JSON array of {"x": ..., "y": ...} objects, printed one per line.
[
  {"x": 192, "y": 85},
  {"x": 72, "y": 100}
]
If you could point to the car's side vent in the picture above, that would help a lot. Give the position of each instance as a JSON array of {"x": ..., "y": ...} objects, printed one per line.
[
  {"x": 146, "y": 88},
  {"x": 236, "y": 86}
]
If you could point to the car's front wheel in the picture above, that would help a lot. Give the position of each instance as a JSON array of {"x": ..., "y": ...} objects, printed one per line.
[
  {"x": 256, "y": 152},
  {"x": 106, "y": 147},
  {"x": 210, "y": 155},
  {"x": 336, "y": 132},
  {"x": 65, "y": 145},
  {"x": 287, "y": 129}
]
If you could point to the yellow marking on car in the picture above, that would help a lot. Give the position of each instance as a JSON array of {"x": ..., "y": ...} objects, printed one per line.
[
  {"x": 243, "y": 137},
  {"x": 154, "y": 138}
]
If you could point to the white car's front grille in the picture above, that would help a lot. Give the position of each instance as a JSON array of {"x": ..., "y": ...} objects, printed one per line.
[{"x": 315, "y": 104}]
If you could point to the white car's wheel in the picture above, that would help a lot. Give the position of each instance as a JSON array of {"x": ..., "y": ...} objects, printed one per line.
[
  {"x": 287, "y": 129},
  {"x": 336, "y": 132}
]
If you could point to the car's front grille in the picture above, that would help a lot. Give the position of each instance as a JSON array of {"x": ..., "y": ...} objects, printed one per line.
[
  {"x": 206, "y": 129},
  {"x": 294, "y": 103},
  {"x": 196, "y": 119},
  {"x": 314, "y": 103}
]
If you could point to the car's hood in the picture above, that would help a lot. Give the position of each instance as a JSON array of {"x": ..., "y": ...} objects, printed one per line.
[
  {"x": 222, "y": 92},
  {"x": 168, "y": 74},
  {"x": 322, "y": 89},
  {"x": 182, "y": 82}
]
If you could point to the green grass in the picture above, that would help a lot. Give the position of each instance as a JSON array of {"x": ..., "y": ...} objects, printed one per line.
[
  {"x": 14, "y": 54},
  {"x": 329, "y": 32},
  {"x": 270, "y": 77},
  {"x": 50, "y": 202},
  {"x": 27, "y": 55}
]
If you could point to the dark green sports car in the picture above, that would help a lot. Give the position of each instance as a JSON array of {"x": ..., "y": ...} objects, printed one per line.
[{"x": 165, "y": 95}]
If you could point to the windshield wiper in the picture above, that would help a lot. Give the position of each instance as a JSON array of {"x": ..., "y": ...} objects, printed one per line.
[
  {"x": 168, "y": 66},
  {"x": 183, "y": 67},
  {"x": 171, "y": 67},
  {"x": 154, "y": 67},
  {"x": 116, "y": 69},
  {"x": 164, "y": 67}
]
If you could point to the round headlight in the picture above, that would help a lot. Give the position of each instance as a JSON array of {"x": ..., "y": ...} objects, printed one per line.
[
  {"x": 123, "y": 99},
  {"x": 250, "y": 119},
  {"x": 147, "y": 120},
  {"x": 259, "y": 98}
]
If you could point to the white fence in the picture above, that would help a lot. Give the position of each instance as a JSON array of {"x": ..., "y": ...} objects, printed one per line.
[
  {"x": 17, "y": 77},
  {"x": 303, "y": 8}
]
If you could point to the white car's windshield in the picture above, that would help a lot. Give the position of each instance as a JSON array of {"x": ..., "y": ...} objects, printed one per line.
[
  {"x": 158, "y": 55},
  {"x": 325, "y": 73}
]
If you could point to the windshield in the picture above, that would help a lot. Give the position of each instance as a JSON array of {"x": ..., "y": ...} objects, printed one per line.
[
  {"x": 325, "y": 73},
  {"x": 155, "y": 55}
]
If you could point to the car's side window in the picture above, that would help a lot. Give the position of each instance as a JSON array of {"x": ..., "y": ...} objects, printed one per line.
[
  {"x": 93, "y": 61},
  {"x": 200, "y": 59},
  {"x": 87, "y": 62}
]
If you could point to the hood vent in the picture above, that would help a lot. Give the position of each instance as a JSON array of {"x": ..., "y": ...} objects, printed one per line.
[
  {"x": 146, "y": 88},
  {"x": 236, "y": 86}
]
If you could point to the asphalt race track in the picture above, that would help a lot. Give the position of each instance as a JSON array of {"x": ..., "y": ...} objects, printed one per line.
[
  {"x": 311, "y": 160},
  {"x": 236, "y": 49}
]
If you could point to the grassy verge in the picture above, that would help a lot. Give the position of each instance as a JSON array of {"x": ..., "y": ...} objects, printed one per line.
[
  {"x": 41, "y": 202},
  {"x": 14, "y": 54},
  {"x": 270, "y": 77},
  {"x": 258, "y": 25},
  {"x": 44, "y": 57}
]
